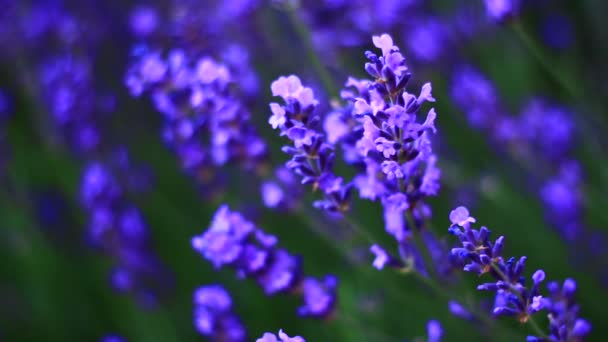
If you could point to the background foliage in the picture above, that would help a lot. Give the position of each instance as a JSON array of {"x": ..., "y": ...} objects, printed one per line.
[{"x": 53, "y": 287}]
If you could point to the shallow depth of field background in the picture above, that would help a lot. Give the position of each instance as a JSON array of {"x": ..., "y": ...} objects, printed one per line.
[{"x": 53, "y": 287}]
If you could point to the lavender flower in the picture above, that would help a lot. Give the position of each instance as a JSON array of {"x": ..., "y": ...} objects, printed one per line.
[
  {"x": 513, "y": 297},
  {"x": 118, "y": 229},
  {"x": 232, "y": 241},
  {"x": 312, "y": 156},
  {"x": 206, "y": 123},
  {"x": 112, "y": 338},
  {"x": 67, "y": 88},
  {"x": 282, "y": 191},
  {"x": 282, "y": 337},
  {"x": 543, "y": 137},
  {"x": 144, "y": 21},
  {"x": 500, "y": 10},
  {"x": 434, "y": 331},
  {"x": 213, "y": 316},
  {"x": 392, "y": 145}
]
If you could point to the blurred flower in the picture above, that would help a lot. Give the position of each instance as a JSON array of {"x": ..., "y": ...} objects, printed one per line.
[
  {"x": 233, "y": 241},
  {"x": 434, "y": 331},
  {"x": 500, "y": 10},
  {"x": 282, "y": 337},
  {"x": 112, "y": 338},
  {"x": 207, "y": 124},
  {"x": 117, "y": 228},
  {"x": 213, "y": 316}
]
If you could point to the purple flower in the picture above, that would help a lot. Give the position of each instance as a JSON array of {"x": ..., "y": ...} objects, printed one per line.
[
  {"x": 500, "y": 10},
  {"x": 319, "y": 296},
  {"x": 282, "y": 274},
  {"x": 458, "y": 310},
  {"x": 207, "y": 124},
  {"x": 282, "y": 337},
  {"x": 312, "y": 157},
  {"x": 118, "y": 228},
  {"x": 144, "y": 21},
  {"x": 234, "y": 242},
  {"x": 112, "y": 338},
  {"x": 434, "y": 331},
  {"x": 513, "y": 296},
  {"x": 213, "y": 316},
  {"x": 460, "y": 216},
  {"x": 381, "y": 258}
]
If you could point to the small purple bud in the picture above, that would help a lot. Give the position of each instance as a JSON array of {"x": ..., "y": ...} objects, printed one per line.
[
  {"x": 581, "y": 328},
  {"x": 434, "y": 331},
  {"x": 497, "y": 248},
  {"x": 569, "y": 287},
  {"x": 538, "y": 277},
  {"x": 381, "y": 256}
]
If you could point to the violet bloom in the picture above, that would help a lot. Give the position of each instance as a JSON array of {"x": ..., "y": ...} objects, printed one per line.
[
  {"x": 282, "y": 337},
  {"x": 561, "y": 195},
  {"x": 213, "y": 316},
  {"x": 392, "y": 142},
  {"x": 112, "y": 338},
  {"x": 282, "y": 191},
  {"x": 476, "y": 95},
  {"x": 312, "y": 155},
  {"x": 548, "y": 128},
  {"x": 144, "y": 21},
  {"x": 232, "y": 241},
  {"x": 207, "y": 124},
  {"x": 500, "y": 10},
  {"x": 427, "y": 39},
  {"x": 117, "y": 228},
  {"x": 67, "y": 88},
  {"x": 514, "y": 295},
  {"x": 434, "y": 331}
]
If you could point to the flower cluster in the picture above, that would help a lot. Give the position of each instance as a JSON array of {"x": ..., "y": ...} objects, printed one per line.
[
  {"x": 206, "y": 123},
  {"x": 282, "y": 337},
  {"x": 118, "y": 229},
  {"x": 66, "y": 84},
  {"x": 391, "y": 147},
  {"x": 394, "y": 145},
  {"x": 542, "y": 137},
  {"x": 234, "y": 242},
  {"x": 514, "y": 297},
  {"x": 213, "y": 316},
  {"x": 312, "y": 156},
  {"x": 282, "y": 191}
]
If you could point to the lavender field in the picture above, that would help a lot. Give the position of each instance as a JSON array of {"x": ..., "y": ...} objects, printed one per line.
[{"x": 303, "y": 170}]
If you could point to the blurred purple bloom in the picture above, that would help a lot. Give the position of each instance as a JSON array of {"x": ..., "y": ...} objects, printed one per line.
[
  {"x": 213, "y": 316},
  {"x": 434, "y": 331},
  {"x": 282, "y": 337},
  {"x": 233, "y": 241}
]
